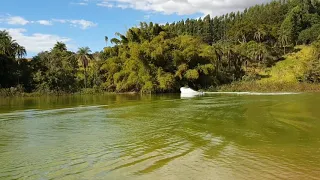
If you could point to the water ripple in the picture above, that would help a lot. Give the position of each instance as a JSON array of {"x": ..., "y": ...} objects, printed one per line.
[{"x": 209, "y": 137}]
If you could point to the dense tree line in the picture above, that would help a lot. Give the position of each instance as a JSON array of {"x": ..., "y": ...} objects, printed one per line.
[
  {"x": 57, "y": 70},
  {"x": 204, "y": 53},
  {"x": 199, "y": 53}
]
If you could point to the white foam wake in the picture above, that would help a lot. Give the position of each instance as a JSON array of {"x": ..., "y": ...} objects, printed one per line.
[
  {"x": 255, "y": 93},
  {"x": 187, "y": 92}
]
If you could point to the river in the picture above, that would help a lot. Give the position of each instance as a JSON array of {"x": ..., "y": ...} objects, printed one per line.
[{"x": 160, "y": 137}]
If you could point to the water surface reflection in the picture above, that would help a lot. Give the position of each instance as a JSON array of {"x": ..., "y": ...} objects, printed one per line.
[{"x": 160, "y": 137}]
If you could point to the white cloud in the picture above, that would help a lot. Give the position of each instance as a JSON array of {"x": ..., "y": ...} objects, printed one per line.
[
  {"x": 63, "y": 21},
  {"x": 36, "y": 42},
  {"x": 45, "y": 22},
  {"x": 146, "y": 17},
  {"x": 83, "y": 24},
  {"x": 82, "y": 4},
  {"x": 184, "y": 7},
  {"x": 16, "y": 20},
  {"x": 105, "y": 4}
]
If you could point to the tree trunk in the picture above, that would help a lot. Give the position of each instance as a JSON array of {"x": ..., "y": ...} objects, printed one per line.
[
  {"x": 259, "y": 59},
  {"x": 229, "y": 60},
  {"x": 85, "y": 78}
]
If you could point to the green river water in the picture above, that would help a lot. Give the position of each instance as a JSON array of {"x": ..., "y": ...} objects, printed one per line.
[{"x": 160, "y": 137}]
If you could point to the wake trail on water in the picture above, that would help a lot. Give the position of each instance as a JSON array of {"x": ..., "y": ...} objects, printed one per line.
[
  {"x": 188, "y": 92},
  {"x": 254, "y": 93}
]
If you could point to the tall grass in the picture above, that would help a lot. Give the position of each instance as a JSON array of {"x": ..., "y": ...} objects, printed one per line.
[
  {"x": 291, "y": 69},
  {"x": 282, "y": 77},
  {"x": 13, "y": 91}
]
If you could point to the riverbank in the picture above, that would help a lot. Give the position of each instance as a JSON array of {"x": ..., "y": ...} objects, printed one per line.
[
  {"x": 234, "y": 87},
  {"x": 16, "y": 92}
]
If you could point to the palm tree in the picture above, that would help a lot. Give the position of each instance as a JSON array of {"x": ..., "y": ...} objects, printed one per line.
[
  {"x": 218, "y": 53},
  {"x": 7, "y": 45},
  {"x": 4, "y": 37},
  {"x": 4, "y": 34},
  {"x": 84, "y": 58},
  {"x": 20, "y": 52},
  {"x": 284, "y": 40},
  {"x": 241, "y": 36},
  {"x": 262, "y": 52},
  {"x": 106, "y": 40},
  {"x": 259, "y": 34},
  {"x": 11, "y": 48},
  {"x": 124, "y": 39},
  {"x": 60, "y": 46},
  {"x": 115, "y": 41},
  {"x": 228, "y": 51}
]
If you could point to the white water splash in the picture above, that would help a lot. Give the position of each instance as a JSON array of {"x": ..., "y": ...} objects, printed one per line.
[{"x": 189, "y": 93}]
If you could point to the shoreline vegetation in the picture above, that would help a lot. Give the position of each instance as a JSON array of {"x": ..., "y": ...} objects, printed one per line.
[
  {"x": 234, "y": 87},
  {"x": 273, "y": 47},
  {"x": 13, "y": 92},
  {"x": 270, "y": 87}
]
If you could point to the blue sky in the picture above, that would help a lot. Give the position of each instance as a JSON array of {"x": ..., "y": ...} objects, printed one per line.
[{"x": 39, "y": 24}]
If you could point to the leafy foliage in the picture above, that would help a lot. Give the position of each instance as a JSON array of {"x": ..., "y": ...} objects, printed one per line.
[
  {"x": 312, "y": 73},
  {"x": 11, "y": 54},
  {"x": 309, "y": 35},
  {"x": 55, "y": 70}
]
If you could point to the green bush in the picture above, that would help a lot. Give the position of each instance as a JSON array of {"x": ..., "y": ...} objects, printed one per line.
[{"x": 309, "y": 35}]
